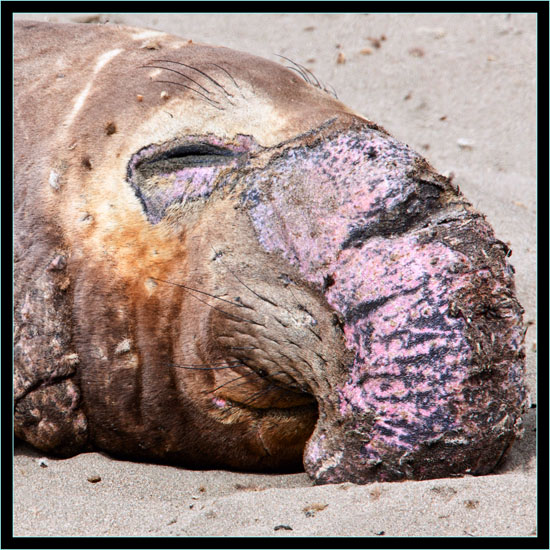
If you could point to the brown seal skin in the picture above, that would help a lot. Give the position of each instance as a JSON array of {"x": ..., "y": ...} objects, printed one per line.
[{"x": 187, "y": 291}]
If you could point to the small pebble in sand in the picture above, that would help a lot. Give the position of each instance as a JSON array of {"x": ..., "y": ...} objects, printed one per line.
[
  {"x": 434, "y": 32},
  {"x": 376, "y": 42},
  {"x": 43, "y": 462},
  {"x": 341, "y": 58},
  {"x": 464, "y": 143},
  {"x": 416, "y": 52},
  {"x": 365, "y": 51},
  {"x": 375, "y": 493},
  {"x": 94, "y": 478},
  {"x": 311, "y": 509},
  {"x": 285, "y": 527}
]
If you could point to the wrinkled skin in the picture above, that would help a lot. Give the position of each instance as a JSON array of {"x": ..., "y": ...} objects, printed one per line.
[{"x": 247, "y": 275}]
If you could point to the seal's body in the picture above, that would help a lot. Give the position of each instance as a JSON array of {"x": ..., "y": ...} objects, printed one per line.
[{"x": 220, "y": 265}]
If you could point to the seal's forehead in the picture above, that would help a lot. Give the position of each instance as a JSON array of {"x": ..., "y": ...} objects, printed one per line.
[
  {"x": 225, "y": 92},
  {"x": 162, "y": 85}
]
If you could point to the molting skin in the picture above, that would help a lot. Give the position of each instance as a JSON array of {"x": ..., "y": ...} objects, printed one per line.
[{"x": 219, "y": 265}]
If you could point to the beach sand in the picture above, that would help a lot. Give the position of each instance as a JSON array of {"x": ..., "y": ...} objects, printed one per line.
[{"x": 460, "y": 89}]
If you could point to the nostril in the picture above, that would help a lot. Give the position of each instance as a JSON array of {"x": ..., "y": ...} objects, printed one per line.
[{"x": 328, "y": 281}]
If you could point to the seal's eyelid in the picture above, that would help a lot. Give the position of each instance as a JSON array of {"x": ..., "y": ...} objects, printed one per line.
[{"x": 195, "y": 154}]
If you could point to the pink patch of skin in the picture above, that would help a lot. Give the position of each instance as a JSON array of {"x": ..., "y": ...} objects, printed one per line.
[
  {"x": 412, "y": 357},
  {"x": 330, "y": 197},
  {"x": 399, "y": 344},
  {"x": 219, "y": 402}
]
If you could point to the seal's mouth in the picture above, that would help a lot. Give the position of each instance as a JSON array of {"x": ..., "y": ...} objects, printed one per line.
[{"x": 254, "y": 389}]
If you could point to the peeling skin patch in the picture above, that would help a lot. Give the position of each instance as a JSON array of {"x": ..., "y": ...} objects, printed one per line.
[
  {"x": 154, "y": 73},
  {"x": 53, "y": 180},
  {"x": 339, "y": 173},
  {"x": 150, "y": 285},
  {"x": 123, "y": 347}
]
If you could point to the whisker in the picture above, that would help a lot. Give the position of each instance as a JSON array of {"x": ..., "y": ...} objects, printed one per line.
[
  {"x": 198, "y": 70},
  {"x": 229, "y": 75},
  {"x": 304, "y": 71},
  {"x": 230, "y": 315},
  {"x": 211, "y": 101},
  {"x": 256, "y": 395},
  {"x": 317, "y": 83},
  {"x": 247, "y": 287},
  {"x": 205, "y": 367},
  {"x": 200, "y": 291},
  {"x": 298, "y": 68},
  {"x": 252, "y": 398},
  {"x": 333, "y": 91},
  {"x": 301, "y": 73},
  {"x": 247, "y": 375},
  {"x": 177, "y": 72}
]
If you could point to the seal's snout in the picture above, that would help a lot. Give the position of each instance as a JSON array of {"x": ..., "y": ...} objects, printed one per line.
[{"x": 427, "y": 300}]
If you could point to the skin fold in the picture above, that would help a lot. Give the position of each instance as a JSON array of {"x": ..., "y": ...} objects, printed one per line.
[{"x": 219, "y": 265}]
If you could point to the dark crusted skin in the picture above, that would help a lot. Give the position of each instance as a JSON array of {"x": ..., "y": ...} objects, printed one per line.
[{"x": 246, "y": 274}]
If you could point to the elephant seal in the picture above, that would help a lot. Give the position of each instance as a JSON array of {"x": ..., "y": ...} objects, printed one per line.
[{"x": 219, "y": 265}]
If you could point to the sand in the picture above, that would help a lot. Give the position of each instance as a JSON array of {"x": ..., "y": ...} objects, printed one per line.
[{"x": 460, "y": 89}]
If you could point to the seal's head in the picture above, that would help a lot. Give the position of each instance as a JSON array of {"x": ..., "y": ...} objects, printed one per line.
[{"x": 258, "y": 274}]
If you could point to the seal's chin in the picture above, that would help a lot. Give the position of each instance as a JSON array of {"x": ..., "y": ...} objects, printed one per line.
[{"x": 278, "y": 416}]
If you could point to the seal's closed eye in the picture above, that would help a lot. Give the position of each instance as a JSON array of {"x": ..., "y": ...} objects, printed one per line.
[
  {"x": 179, "y": 173},
  {"x": 183, "y": 156}
]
